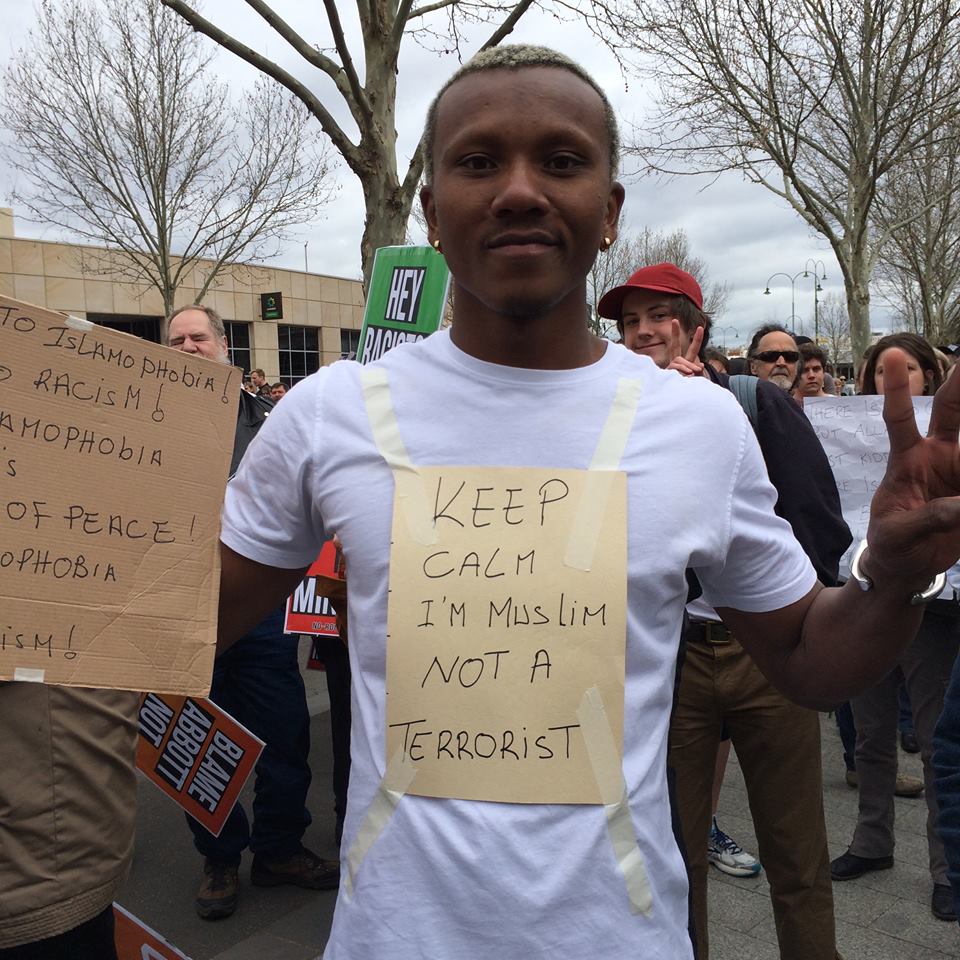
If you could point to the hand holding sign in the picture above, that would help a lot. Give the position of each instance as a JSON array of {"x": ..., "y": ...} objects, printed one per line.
[
  {"x": 685, "y": 362},
  {"x": 914, "y": 530}
]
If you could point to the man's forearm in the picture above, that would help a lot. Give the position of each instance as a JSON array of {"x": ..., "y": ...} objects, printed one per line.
[
  {"x": 248, "y": 592},
  {"x": 832, "y": 644}
]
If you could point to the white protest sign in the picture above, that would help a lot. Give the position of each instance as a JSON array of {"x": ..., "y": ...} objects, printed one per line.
[{"x": 854, "y": 437}]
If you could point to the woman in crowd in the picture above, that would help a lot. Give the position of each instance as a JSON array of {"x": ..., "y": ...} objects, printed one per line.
[{"x": 926, "y": 664}]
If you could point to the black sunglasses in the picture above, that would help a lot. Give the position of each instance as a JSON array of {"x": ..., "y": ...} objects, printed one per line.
[{"x": 771, "y": 356}]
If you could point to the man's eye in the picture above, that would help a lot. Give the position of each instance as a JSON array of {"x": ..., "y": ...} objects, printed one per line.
[
  {"x": 564, "y": 162},
  {"x": 476, "y": 162}
]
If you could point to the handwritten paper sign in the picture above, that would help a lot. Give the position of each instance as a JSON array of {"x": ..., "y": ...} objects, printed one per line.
[
  {"x": 114, "y": 454},
  {"x": 134, "y": 940},
  {"x": 854, "y": 437},
  {"x": 197, "y": 754},
  {"x": 498, "y": 628}
]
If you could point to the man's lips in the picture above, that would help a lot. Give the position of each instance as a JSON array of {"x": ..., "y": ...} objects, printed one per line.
[{"x": 516, "y": 241}]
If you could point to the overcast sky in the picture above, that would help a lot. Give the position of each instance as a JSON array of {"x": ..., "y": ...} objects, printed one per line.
[{"x": 743, "y": 232}]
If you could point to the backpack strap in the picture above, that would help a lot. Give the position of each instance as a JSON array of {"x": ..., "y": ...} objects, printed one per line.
[{"x": 744, "y": 388}]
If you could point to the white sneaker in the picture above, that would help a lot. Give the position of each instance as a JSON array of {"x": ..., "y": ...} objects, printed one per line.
[{"x": 727, "y": 855}]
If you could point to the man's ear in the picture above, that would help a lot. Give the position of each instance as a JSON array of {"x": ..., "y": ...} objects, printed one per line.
[
  {"x": 611, "y": 220},
  {"x": 753, "y": 367},
  {"x": 429, "y": 213}
]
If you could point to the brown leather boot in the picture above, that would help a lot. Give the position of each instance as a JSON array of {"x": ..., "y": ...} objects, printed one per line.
[
  {"x": 217, "y": 896},
  {"x": 303, "y": 869}
]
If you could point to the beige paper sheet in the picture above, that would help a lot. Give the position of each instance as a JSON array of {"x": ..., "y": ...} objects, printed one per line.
[{"x": 497, "y": 630}]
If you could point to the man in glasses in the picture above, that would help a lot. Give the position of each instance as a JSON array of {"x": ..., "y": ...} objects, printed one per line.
[{"x": 774, "y": 356}]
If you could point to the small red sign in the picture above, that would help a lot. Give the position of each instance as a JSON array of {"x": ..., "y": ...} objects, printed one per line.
[
  {"x": 196, "y": 754},
  {"x": 308, "y": 611}
]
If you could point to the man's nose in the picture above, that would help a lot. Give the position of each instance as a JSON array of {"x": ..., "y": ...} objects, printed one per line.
[{"x": 520, "y": 189}]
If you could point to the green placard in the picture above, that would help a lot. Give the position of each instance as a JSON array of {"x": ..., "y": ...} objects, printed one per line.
[{"x": 406, "y": 300}]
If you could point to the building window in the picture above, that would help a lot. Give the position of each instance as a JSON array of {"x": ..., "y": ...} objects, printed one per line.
[
  {"x": 349, "y": 343},
  {"x": 299, "y": 349},
  {"x": 147, "y": 328},
  {"x": 238, "y": 344}
]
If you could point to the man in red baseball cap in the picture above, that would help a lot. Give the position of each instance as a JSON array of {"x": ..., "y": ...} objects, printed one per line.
[
  {"x": 659, "y": 313},
  {"x": 655, "y": 306}
]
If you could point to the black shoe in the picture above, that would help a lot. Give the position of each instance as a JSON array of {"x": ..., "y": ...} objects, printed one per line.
[
  {"x": 941, "y": 903},
  {"x": 850, "y": 866},
  {"x": 908, "y": 740},
  {"x": 217, "y": 896}
]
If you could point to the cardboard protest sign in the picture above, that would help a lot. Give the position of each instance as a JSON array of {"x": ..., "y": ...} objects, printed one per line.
[
  {"x": 855, "y": 439},
  {"x": 197, "y": 754},
  {"x": 308, "y": 611},
  {"x": 406, "y": 299},
  {"x": 136, "y": 941},
  {"x": 114, "y": 454},
  {"x": 498, "y": 628}
]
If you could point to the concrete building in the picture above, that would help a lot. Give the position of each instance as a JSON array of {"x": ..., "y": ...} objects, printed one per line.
[{"x": 315, "y": 319}]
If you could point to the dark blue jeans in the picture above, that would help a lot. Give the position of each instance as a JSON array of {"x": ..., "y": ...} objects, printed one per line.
[
  {"x": 258, "y": 682},
  {"x": 946, "y": 765}
]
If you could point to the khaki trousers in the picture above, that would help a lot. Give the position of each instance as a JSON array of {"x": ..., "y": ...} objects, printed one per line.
[{"x": 778, "y": 745}]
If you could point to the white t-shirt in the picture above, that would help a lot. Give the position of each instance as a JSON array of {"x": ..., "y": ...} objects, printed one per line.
[{"x": 466, "y": 880}]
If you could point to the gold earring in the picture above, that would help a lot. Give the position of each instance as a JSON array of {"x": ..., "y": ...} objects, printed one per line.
[
  {"x": 436, "y": 246},
  {"x": 607, "y": 244}
]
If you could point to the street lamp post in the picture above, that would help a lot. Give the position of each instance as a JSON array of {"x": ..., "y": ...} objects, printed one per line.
[
  {"x": 793, "y": 292},
  {"x": 817, "y": 277},
  {"x": 723, "y": 333}
]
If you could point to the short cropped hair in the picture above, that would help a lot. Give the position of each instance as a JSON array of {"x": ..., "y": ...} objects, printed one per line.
[
  {"x": 257, "y": 370},
  {"x": 714, "y": 354},
  {"x": 762, "y": 332},
  {"x": 810, "y": 351},
  {"x": 216, "y": 323},
  {"x": 516, "y": 56}
]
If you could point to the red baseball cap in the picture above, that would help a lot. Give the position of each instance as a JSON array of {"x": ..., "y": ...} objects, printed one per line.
[{"x": 662, "y": 277}]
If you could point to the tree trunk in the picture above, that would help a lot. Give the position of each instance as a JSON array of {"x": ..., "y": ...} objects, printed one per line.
[{"x": 858, "y": 307}]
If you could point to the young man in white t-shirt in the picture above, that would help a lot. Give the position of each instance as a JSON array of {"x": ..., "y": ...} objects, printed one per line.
[{"x": 521, "y": 153}]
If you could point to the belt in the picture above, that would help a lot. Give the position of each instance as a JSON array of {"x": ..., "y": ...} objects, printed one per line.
[{"x": 708, "y": 631}]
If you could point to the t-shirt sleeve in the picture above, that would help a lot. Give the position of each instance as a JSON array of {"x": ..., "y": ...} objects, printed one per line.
[
  {"x": 764, "y": 568},
  {"x": 268, "y": 511}
]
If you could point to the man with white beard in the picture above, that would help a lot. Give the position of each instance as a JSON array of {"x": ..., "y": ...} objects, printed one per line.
[{"x": 774, "y": 356}]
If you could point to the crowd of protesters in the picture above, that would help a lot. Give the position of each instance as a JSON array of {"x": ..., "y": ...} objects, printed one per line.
[{"x": 731, "y": 585}]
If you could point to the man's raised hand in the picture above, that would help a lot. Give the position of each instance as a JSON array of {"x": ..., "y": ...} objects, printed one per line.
[
  {"x": 685, "y": 362},
  {"x": 914, "y": 530}
]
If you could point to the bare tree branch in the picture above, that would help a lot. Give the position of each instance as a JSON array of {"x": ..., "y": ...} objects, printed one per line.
[
  {"x": 819, "y": 102},
  {"x": 121, "y": 139}
]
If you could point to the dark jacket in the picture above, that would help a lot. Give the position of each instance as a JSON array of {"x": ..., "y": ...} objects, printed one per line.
[
  {"x": 807, "y": 496},
  {"x": 251, "y": 414}
]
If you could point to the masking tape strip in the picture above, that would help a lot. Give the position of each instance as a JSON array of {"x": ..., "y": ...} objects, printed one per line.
[
  {"x": 396, "y": 781},
  {"x": 585, "y": 530},
  {"x": 607, "y": 769},
  {"x": 79, "y": 324},
  {"x": 411, "y": 493},
  {"x": 616, "y": 431},
  {"x": 29, "y": 675}
]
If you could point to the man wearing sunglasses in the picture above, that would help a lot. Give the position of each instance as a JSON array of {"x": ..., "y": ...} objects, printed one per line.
[{"x": 774, "y": 356}]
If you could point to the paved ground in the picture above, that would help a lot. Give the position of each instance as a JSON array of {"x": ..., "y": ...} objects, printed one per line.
[{"x": 883, "y": 916}]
